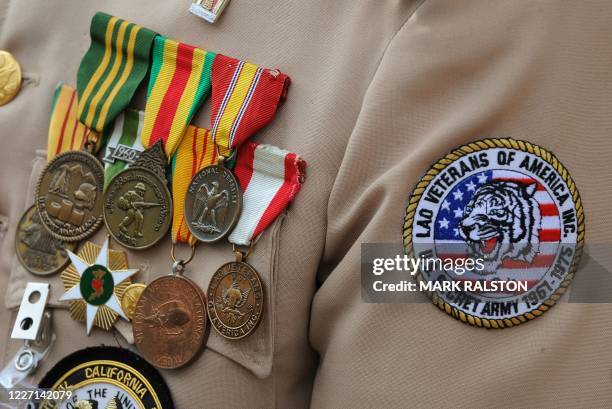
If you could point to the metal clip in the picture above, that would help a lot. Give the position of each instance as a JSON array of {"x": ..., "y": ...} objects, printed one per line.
[
  {"x": 28, "y": 322},
  {"x": 34, "y": 326},
  {"x": 29, "y": 356}
]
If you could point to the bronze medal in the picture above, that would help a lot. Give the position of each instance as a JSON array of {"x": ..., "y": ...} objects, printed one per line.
[
  {"x": 169, "y": 321},
  {"x": 69, "y": 195},
  {"x": 212, "y": 203},
  {"x": 137, "y": 202},
  {"x": 130, "y": 298},
  {"x": 235, "y": 300},
  {"x": 38, "y": 251}
]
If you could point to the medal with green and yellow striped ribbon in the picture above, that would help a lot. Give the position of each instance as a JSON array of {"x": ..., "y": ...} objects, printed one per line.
[{"x": 115, "y": 64}]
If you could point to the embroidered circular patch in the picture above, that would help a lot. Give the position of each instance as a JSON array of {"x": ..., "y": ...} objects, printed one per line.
[
  {"x": 497, "y": 227},
  {"x": 106, "y": 377}
]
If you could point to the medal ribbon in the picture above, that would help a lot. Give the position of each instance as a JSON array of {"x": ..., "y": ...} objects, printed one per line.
[
  {"x": 111, "y": 70},
  {"x": 195, "y": 152},
  {"x": 180, "y": 80},
  {"x": 245, "y": 98},
  {"x": 270, "y": 178},
  {"x": 125, "y": 133},
  {"x": 66, "y": 133}
]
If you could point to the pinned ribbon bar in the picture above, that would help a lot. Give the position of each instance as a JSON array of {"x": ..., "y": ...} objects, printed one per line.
[
  {"x": 195, "y": 152},
  {"x": 124, "y": 145},
  {"x": 180, "y": 80},
  {"x": 111, "y": 70},
  {"x": 245, "y": 98},
  {"x": 270, "y": 179},
  {"x": 66, "y": 133}
]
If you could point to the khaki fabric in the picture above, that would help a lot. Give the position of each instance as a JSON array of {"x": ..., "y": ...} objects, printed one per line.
[{"x": 380, "y": 90}]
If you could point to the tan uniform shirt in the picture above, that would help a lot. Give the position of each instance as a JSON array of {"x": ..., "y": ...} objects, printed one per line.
[{"x": 381, "y": 89}]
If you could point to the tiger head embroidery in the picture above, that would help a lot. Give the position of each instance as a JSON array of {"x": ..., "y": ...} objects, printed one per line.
[{"x": 500, "y": 222}]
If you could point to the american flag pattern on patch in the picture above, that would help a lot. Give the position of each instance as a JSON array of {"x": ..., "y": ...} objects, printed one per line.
[
  {"x": 451, "y": 244},
  {"x": 508, "y": 204}
]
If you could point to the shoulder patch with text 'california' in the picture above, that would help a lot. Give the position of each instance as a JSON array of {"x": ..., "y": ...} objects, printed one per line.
[
  {"x": 511, "y": 208},
  {"x": 106, "y": 378}
]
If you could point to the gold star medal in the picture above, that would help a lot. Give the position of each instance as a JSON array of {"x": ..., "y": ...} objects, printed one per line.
[{"x": 95, "y": 283}]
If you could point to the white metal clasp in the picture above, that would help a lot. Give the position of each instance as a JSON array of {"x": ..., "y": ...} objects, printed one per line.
[
  {"x": 30, "y": 315},
  {"x": 33, "y": 326}
]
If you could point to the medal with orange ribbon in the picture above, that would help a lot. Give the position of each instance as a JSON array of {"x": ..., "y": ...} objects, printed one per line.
[
  {"x": 180, "y": 80},
  {"x": 69, "y": 190}
]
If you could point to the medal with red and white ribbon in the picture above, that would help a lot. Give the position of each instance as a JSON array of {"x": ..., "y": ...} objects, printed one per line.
[
  {"x": 245, "y": 97},
  {"x": 270, "y": 178}
]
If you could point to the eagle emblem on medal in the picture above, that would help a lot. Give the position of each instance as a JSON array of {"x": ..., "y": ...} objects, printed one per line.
[{"x": 513, "y": 208}]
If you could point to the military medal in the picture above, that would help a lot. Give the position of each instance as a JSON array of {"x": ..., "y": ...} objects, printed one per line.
[
  {"x": 245, "y": 98},
  {"x": 10, "y": 77},
  {"x": 69, "y": 190},
  {"x": 38, "y": 251},
  {"x": 270, "y": 178},
  {"x": 513, "y": 209},
  {"x": 236, "y": 299},
  {"x": 213, "y": 202},
  {"x": 95, "y": 283},
  {"x": 169, "y": 321},
  {"x": 69, "y": 195},
  {"x": 105, "y": 378},
  {"x": 137, "y": 202},
  {"x": 130, "y": 298}
]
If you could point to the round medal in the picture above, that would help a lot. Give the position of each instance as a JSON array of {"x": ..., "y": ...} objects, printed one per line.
[
  {"x": 130, "y": 298},
  {"x": 212, "y": 203},
  {"x": 11, "y": 77},
  {"x": 169, "y": 321},
  {"x": 503, "y": 223},
  {"x": 137, "y": 208},
  {"x": 105, "y": 377},
  {"x": 235, "y": 300},
  {"x": 38, "y": 251},
  {"x": 69, "y": 196}
]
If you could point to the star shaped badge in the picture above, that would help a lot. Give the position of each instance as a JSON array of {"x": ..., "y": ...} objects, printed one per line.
[{"x": 95, "y": 283}]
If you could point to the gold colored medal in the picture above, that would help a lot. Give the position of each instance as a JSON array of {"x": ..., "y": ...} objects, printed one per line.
[
  {"x": 130, "y": 298},
  {"x": 270, "y": 178},
  {"x": 137, "y": 202},
  {"x": 235, "y": 299},
  {"x": 38, "y": 251},
  {"x": 10, "y": 77},
  {"x": 69, "y": 195}
]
